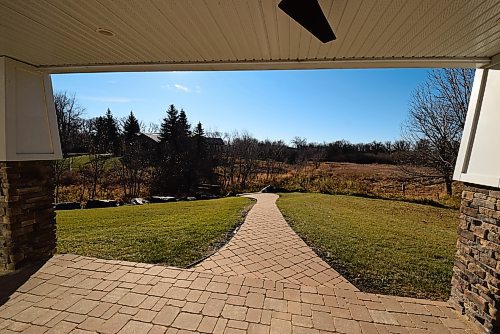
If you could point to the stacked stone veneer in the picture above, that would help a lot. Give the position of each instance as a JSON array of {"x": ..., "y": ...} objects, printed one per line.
[
  {"x": 27, "y": 230},
  {"x": 476, "y": 274}
]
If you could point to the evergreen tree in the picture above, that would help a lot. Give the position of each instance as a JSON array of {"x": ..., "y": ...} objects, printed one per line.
[
  {"x": 130, "y": 128},
  {"x": 131, "y": 150},
  {"x": 198, "y": 130},
  {"x": 202, "y": 169},
  {"x": 112, "y": 135},
  {"x": 182, "y": 160},
  {"x": 99, "y": 138},
  {"x": 185, "y": 161},
  {"x": 200, "y": 142},
  {"x": 168, "y": 173},
  {"x": 184, "y": 126},
  {"x": 168, "y": 127}
]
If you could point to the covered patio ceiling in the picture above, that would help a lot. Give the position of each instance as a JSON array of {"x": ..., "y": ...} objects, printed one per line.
[{"x": 109, "y": 35}]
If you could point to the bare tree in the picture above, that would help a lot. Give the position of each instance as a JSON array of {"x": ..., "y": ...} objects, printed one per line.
[
  {"x": 315, "y": 153},
  {"x": 299, "y": 142},
  {"x": 454, "y": 87},
  {"x": 152, "y": 127},
  {"x": 272, "y": 153},
  {"x": 98, "y": 152},
  {"x": 436, "y": 119},
  {"x": 135, "y": 166},
  {"x": 227, "y": 162},
  {"x": 247, "y": 149},
  {"x": 239, "y": 162},
  {"x": 69, "y": 119},
  {"x": 60, "y": 166}
]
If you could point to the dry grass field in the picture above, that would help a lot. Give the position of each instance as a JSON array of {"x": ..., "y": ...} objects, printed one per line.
[{"x": 372, "y": 180}]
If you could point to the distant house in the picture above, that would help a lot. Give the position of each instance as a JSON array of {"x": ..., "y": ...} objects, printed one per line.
[
  {"x": 151, "y": 136},
  {"x": 150, "y": 141},
  {"x": 215, "y": 144}
]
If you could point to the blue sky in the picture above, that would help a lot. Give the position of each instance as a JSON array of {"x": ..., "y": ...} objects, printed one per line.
[{"x": 319, "y": 105}]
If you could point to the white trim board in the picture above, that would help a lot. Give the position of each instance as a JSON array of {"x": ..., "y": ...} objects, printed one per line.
[
  {"x": 28, "y": 124},
  {"x": 478, "y": 160}
]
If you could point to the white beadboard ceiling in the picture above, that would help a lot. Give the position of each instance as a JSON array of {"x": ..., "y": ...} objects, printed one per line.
[{"x": 60, "y": 35}]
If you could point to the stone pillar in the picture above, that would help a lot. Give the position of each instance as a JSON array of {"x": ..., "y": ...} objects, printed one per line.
[
  {"x": 475, "y": 288},
  {"x": 27, "y": 230}
]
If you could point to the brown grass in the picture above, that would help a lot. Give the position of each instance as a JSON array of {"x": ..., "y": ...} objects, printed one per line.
[{"x": 373, "y": 180}]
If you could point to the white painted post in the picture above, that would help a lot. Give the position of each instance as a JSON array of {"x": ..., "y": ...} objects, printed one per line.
[
  {"x": 479, "y": 157},
  {"x": 29, "y": 139},
  {"x": 476, "y": 273}
]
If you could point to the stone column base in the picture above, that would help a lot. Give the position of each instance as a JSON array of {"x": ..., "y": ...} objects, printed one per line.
[
  {"x": 475, "y": 288},
  {"x": 27, "y": 225}
]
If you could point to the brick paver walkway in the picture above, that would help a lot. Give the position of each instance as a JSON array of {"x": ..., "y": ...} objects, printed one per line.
[
  {"x": 266, "y": 247},
  {"x": 76, "y": 294}
]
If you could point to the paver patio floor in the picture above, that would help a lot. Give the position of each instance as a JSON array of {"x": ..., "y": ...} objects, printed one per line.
[{"x": 76, "y": 294}]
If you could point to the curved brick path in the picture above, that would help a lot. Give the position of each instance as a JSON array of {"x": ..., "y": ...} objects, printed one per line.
[
  {"x": 266, "y": 247},
  {"x": 227, "y": 293}
]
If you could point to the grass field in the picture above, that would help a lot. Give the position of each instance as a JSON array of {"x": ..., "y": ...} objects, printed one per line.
[
  {"x": 79, "y": 161},
  {"x": 381, "y": 246},
  {"x": 172, "y": 233},
  {"x": 376, "y": 180}
]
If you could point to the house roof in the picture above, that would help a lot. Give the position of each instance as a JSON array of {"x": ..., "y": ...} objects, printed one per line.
[
  {"x": 215, "y": 141},
  {"x": 73, "y": 36},
  {"x": 153, "y": 136},
  {"x": 156, "y": 137}
]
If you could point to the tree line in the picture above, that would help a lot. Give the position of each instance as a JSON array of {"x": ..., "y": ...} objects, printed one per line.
[
  {"x": 176, "y": 165},
  {"x": 183, "y": 159}
]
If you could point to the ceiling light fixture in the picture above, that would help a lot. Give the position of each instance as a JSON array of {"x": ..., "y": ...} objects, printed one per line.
[{"x": 105, "y": 32}]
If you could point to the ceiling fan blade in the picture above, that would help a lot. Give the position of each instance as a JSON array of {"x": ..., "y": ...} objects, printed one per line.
[{"x": 308, "y": 14}]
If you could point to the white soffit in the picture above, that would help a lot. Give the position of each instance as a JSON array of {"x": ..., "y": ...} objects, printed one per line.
[{"x": 61, "y": 35}]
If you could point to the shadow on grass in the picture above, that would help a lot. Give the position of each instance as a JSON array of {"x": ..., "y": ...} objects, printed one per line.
[{"x": 423, "y": 201}]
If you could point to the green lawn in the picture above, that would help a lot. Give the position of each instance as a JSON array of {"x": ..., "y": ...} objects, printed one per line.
[
  {"x": 381, "y": 246},
  {"x": 172, "y": 233},
  {"x": 77, "y": 162}
]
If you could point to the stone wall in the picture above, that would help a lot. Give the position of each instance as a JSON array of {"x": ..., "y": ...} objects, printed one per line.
[
  {"x": 27, "y": 230},
  {"x": 476, "y": 275}
]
